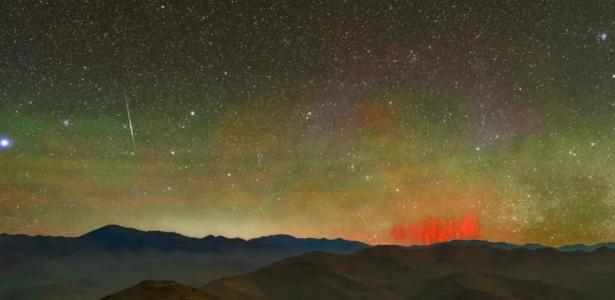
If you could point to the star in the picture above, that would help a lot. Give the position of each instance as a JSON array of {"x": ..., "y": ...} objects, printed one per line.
[{"x": 5, "y": 143}]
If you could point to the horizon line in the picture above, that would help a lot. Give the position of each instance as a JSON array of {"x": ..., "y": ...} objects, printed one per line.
[{"x": 310, "y": 237}]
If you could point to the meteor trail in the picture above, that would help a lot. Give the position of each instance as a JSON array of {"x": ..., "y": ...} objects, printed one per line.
[{"x": 132, "y": 133}]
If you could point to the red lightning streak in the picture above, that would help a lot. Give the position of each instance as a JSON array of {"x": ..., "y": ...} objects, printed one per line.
[{"x": 435, "y": 230}]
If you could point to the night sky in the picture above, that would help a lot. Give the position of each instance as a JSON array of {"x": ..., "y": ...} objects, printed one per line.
[{"x": 381, "y": 121}]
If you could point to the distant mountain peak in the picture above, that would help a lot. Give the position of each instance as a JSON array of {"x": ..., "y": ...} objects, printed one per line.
[
  {"x": 482, "y": 243},
  {"x": 312, "y": 244},
  {"x": 116, "y": 237},
  {"x": 288, "y": 237},
  {"x": 112, "y": 229},
  {"x": 281, "y": 235}
]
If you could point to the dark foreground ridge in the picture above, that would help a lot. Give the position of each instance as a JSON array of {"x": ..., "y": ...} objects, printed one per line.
[
  {"x": 167, "y": 290},
  {"x": 454, "y": 270}
]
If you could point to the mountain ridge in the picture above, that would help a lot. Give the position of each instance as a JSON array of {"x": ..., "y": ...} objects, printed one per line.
[
  {"x": 113, "y": 256},
  {"x": 446, "y": 271},
  {"x": 115, "y": 228},
  {"x": 120, "y": 228},
  {"x": 119, "y": 238}
]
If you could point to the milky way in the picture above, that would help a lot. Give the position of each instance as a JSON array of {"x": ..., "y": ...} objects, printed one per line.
[{"x": 386, "y": 122}]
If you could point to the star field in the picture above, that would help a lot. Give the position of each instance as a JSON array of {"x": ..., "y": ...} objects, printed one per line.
[{"x": 371, "y": 121}]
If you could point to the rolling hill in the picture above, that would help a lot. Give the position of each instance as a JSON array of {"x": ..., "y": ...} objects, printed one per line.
[{"x": 446, "y": 271}]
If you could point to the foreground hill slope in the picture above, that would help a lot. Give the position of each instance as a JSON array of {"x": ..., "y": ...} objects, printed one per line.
[
  {"x": 446, "y": 271},
  {"x": 161, "y": 290}
]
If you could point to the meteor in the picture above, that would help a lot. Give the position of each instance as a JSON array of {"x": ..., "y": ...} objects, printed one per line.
[{"x": 132, "y": 132}]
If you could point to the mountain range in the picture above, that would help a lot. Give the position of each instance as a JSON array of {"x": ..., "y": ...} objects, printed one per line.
[
  {"x": 113, "y": 257},
  {"x": 173, "y": 266},
  {"x": 455, "y": 270}
]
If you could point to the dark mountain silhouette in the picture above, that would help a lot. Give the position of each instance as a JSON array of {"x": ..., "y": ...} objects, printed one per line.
[
  {"x": 311, "y": 244},
  {"x": 479, "y": 243},
  {"x": 113, "y": 257},
  {"x": 586, "y": 248},
  {"x": 118, "y": 238}
]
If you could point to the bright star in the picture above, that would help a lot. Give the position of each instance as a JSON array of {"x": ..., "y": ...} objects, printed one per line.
[{"x": 5, "y": 143}]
